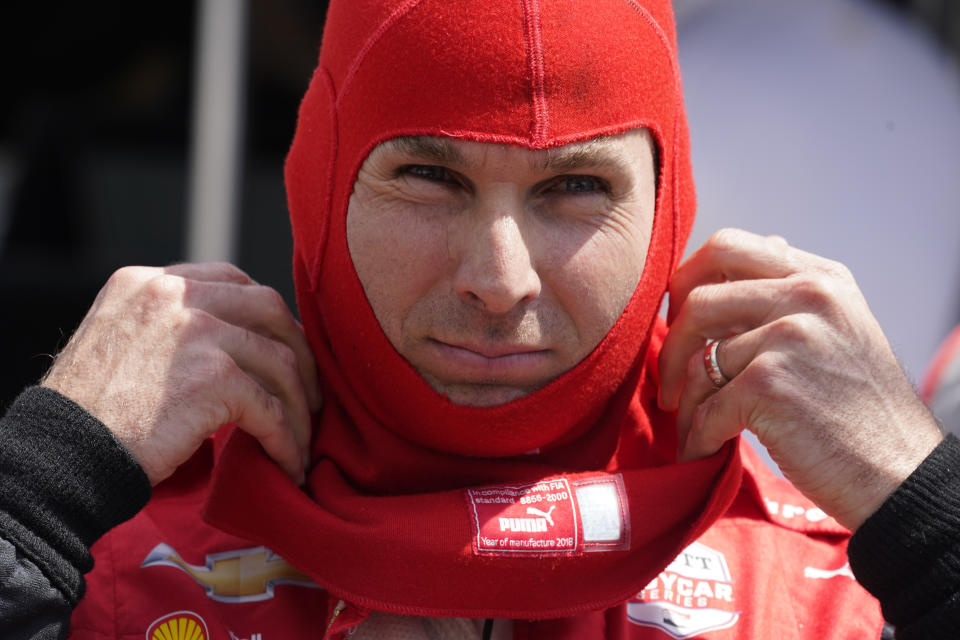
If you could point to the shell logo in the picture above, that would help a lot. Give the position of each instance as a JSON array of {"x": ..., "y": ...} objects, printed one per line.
[{"x": 179, "y": 625}]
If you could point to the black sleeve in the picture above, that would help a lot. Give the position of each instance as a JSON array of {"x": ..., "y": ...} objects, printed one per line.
[
  {"x": 907, "y": 554},
  {"x": 64, "y": 482}
]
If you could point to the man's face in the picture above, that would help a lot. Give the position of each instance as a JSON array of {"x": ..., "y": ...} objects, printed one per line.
[{"x": 492, "y": 268}]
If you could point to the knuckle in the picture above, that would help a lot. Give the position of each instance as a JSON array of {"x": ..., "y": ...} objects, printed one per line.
[
  {"x": 712, "y": 424},
  {"x": 126, "y": 278},
  {"x": 726, "y": 239},
  {"x": 838, "y": 270},
  {"x": 230, "y": 271},
  {"x": 221, "y": 366},
  {"x": 796, "y": 328},
  {"x": 226, "y": 267},
  {"x": 763, "y": 375},
  {"x": 288, "y": 360},
  {"x": 195, "y": 322},
  {"x": 702, "y": 414},
  {"x": 698, "y": 298},
  {"x": 778, "y": 241},
  {"x": 164, "y": 289},
  {"x": 816, "y": 291},
  {"x": 274, "y": 304},
  {"x": 180, "y": 322},
  {"x": 273, "y": 408},
  {"x": 274, "y": 298}
]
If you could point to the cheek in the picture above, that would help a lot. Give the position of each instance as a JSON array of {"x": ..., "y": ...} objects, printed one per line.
[
  {"x": 596, "y": 278},
  {"x": 601, "y": 286},
  {"x": 398, "y": 258}
]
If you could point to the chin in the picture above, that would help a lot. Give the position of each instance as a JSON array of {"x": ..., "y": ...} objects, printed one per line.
[{"x": 481, "y": 395}]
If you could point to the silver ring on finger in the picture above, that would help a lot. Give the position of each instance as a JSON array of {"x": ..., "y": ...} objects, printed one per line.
[{"x": 712, "y": 365}]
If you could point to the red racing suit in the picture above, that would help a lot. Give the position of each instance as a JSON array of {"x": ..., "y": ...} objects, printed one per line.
[{"x": 775, "y": 566}]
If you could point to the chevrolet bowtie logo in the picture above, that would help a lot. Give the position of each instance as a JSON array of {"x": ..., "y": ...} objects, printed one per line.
[{"x": 245, "y": 575}]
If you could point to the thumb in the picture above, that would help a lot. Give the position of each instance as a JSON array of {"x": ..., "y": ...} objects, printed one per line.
[{"x": 715, "y": 421}]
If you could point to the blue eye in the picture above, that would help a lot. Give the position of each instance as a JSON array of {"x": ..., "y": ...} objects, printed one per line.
[
  {"x": 580, "y": 184},
  {"x": 428, "y": 172}
]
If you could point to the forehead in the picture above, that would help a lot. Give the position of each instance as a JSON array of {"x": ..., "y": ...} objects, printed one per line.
[{"x": 624, "y": 151}]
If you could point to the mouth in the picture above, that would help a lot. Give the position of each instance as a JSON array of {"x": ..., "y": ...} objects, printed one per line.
[
  {"x": 492, "y": 351},
  {"x": 511, "y": 364}
]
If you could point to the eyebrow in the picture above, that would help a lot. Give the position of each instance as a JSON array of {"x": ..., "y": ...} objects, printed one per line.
[
  {"x": 589, "y": 154},
  {"x": 438, "y": 150}
]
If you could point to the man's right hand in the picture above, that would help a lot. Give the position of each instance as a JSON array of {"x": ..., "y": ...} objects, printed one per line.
[{"x": 166, "y": 356}]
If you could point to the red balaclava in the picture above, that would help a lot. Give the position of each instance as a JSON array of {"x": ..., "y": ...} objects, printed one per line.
[{"x": 418, "y": 506}]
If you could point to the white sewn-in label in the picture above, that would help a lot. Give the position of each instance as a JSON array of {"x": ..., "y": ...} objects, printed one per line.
[
  {"x": 604, "y": 513},
  {"x": 600, "y": 512}
]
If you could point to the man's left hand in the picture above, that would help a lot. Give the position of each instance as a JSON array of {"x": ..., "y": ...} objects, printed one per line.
[{"x": 810, "y": 372}]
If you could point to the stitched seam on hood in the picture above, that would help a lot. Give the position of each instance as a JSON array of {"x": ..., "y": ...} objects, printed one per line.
[
  {"x": 533, "y": 35},
  {"x": 398, "y": 13}
]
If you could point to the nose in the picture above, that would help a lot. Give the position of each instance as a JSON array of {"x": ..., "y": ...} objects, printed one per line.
[{"x": 497, "y": 269}]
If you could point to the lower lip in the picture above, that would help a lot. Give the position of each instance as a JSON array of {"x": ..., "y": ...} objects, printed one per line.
[{"x": 524, "y": 367}]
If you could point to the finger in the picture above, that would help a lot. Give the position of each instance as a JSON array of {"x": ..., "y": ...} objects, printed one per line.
[
  {"x": 263, "y": 415},
  {"x": 263, "y": 310},
  {"x": 707, "y": 416},
  {"x": 210, "y": 272},
  {"x": 719, "y": 418},
  {"x": 274, "y": 366},
  {"x": 712, "y": 312},
  {"x": 733, "y": 355},
  {"x": 732, "y": 254}
]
